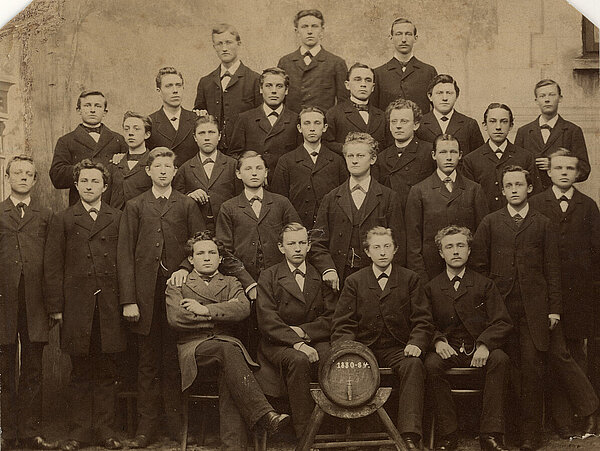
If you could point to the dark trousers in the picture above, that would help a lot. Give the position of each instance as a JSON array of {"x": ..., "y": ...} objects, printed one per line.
[
  {"x": 22, "y": 408},
  {"x": 496, "y": 376},
  {"x": 158, "y": 371},
  {"x": 241, "y": 400}
]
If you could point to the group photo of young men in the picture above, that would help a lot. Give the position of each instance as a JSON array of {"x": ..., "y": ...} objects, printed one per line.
[{"x": 292, "y": 208}]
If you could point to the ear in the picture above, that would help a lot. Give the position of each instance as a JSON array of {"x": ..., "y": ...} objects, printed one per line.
[
  {"x": 416, "y": 126},
  {"x": 299, "y": 128},
  {"x": 325, "y": 127},
  {"x": 347, "y": 85},
  {"x": 441, "y": 254},
  {"x": 433, "y": 155},
  {"x": 308, "y": 247},
  {"x": 105, "y": 187},
  {"x": 280, "y": 247},
  {"x": 147, "y": 135},
  {"x": 237, "y": 174},
  {"x": 529, "y": 189},
  {"x": 147, "y": 168},
  {"x": 190, "y": 259}
]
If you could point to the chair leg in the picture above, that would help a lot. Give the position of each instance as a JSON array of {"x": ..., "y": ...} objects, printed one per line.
[
  {"x": 186, "y": 418},
  {"x": 432, "y": 433},
  {"x": 391, "y": 429}
]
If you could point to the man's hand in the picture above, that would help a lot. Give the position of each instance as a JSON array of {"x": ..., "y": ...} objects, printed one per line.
[
  {"x": 131, "y": 312},
  {"x": 55, "y": 318},
  {"x": 117, "y": 157},
  {"x": 178, "y": 278},
  {"x": 192, "y": 305},
  {"x": 332, "y": 279},
  {"x": 444, "y": 350},
  {"x": 480, "y": 357},
  {"x": 311, "y": 353},
  {"x": 200, "y": 112},
  {"x": 299, "y": 331},
  {"x": 553, "y": 323},
  {"x": 412, "y": 351},
  {"x": 542, "y": 163},
  {"x": 252, "y": 293},
  {"x": 199, "y": 196}
]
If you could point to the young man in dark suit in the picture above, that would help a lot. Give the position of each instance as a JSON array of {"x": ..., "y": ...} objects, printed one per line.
[
  {"x": 485, "y": 164},
  {"x": 383, "y": 306},
  {"x": 550, "y": 131},
  {"x": 294, "y": 309},
  {"x": 356, "y": 114},
  {"x": 91, "y": 139},
  {"x": 445, "y": 197},
  {"x": 471, "y": 326},
  {"x": 408, "y": 161},
  {"x": 404, "y": 76},
  {"x": 172, "y": 125},
  {"x": 231, "y": 88},
  {"x": 23, "y": 318},
  {"x": 80, "y": 272},
  {"x": 316, "y": 75},
  {"x": 306, "y": 174},
  {"x": 269, "y": 129},
  {"x": 443, "y": 92}
]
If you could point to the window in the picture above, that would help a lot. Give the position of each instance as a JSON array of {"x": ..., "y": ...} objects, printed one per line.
[{"x": 590, "y": 39}]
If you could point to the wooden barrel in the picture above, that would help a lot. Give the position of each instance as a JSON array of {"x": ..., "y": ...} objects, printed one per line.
[{"x": 349, "y": 376}]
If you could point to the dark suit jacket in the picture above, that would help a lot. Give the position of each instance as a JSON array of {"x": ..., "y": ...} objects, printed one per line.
[
  {"x": 344, "y": 118},
  {"x": 429, "y": 208},
  {"x": 363, "y": 310},
  {"x": 565, "y": 134},
  {"x": 400, "y": 174},
  {"x": 331, "y": 245},
  {"x": 318, "y": 84},
  {"x": 242, "y": 94},
  {"x": 134, "y": 181},
  {"x": 305, "y": 183},
  {"x": 579, "y": 250},
  {"x": 463, "y": 128},
  {"x": 22, "y": 242},
  {"x": 483, "y": 167},
  {"x": 180, "y": 141},
  {"x": 77, "y": 145},
  {"x": 80, "y": 260},
  {"x": 525, "y": 254},
  {"x": 145, "y": 229},
  {"x": 247, "y": 236},
  {"x": 478, "y": 304},
  {"x": 391, "y": 83}
]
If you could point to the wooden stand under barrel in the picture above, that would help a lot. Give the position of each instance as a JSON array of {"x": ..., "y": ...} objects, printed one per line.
[{"x": 349, "y": 389}]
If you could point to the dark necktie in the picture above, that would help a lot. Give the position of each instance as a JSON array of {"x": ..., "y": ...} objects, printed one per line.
[
  {"x": 207, "y": 161},
  {"x": 225, "y": 79},
  {"x": 564, "y": 199},
  {"x": 357, "y": 187},
  {"x": 314, "y": 154},
  {"x": 564, "y": 206},
  {"x": 92, "y": 129},
  {"x": 546, "y": 127},
  {"x": 298, "y": 272},
  {"x": 93, "y": 213},
  {"x": 448, "y": 183},
  {"x": 518, "y": 219},
  {"x": 21, "y": 207},
  {"x": 361, "y": 106},
  {"x": 499, "y": 152},
  {"x": 307, "y": 58},
  {"x": 206, "y": 277},
  {"x": 382, "y": 276},
  {"x": 255, "y": 198},
  {"x": 274, "y": 114},
  {"x": 162, "y": 201},
  {"x": 174, "y": 119},
  {"x": 444, "y": 118},
  {"x": 456, "y": 280}
]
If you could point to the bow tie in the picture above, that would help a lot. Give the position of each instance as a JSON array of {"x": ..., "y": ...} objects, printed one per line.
[
  {"x": 273, "y": 113},
  {"x": 92, "y": 129},
  {"x": 174, "y": 119},
  {"x": 207, "y": 278},
  {"x": 21, "y": 207},
  {"x": 402, "y": 64},
  {"x": 255, "y": 198},
  {"x": 357, "y": 188},
  {"x": 560, "y": 199},
  {"x": 456, "y": 279},
  {"x": 382, "y": 276},
  {"x": 298, "y": 272},
  {"x": 444, "y": 118},
  {"x": 207, "y": 161},
  {"x": 545, "y": 127},
  {"x": 361, "y": 106},
  {"x": 314, "y": 153},
  {"x": 226, "y": 74}
]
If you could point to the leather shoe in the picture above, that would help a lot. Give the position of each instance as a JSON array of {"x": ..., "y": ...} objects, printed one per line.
[
  {"x": 70, "y": 445},
  {"x": 492, "y": 443},
  {"x": 273, "y": 422},
  {"x": 590, "y": 425},
  {"x": 112, "y": 443},
  {"x": 38, "y": 442},
  {"x": 565, "y": 432},
  {"x": 140, "y": 441},
  {"x": 447, "y": 442},
  {"x": 527, "y": 445},
  {"x": 412, "y": 441}
]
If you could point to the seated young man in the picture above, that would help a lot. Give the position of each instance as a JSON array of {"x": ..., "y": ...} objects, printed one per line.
[{"x": 205, "y": 311}]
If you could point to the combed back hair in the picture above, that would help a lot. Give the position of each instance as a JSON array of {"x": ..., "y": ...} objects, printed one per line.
[
  {"x": 203, "y": 235},
  {"x": 145, "y": 119},
  {"x": 515, "y": 168},
  {"x": 21, "y": 157},
  {"x": 546, "y": 82},
  {"x": 443, "y": 78},
  {"x": 358, "y": 66},
  {"x": 205, "y": 118},
  {"x": 249, "y": 154},
  {"x": 226, "y": 28},
  {"x": 312, "y": 109},
  {"x": 160, "y": 152},
  {"x": 453, "y": 230},
  {"x": 308, "y": 12},
  {"x": 88, "y": 93},
  {"x": 563, "y": 152},
  {"x": 493, "y": 106},
  {"x": 274, "y": 71},
  {"x": 378, "y": 231},
  {"x": 361, "y": 137},
  {"x": 291, "y": 227},
  {"x": 444, "y": 137},
  {"x": 404, "y": 104},
  {"x": 402, "y": 20},
  {"x": 89, "y": 164},
  {"x": 168, "y": 70}
]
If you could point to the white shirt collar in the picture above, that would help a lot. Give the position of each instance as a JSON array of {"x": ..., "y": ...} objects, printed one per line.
[
  {"x": 166, "y": 194},
  {"x": 365, "y": 183},
  {"x": 212, "y": 156},
  {"x": 439, "y": 115},
  {"x": 443, "y": 176},
  {"x": 177, "y": 114},
  {"x": 493, "y": 145},
  {"x": 88, "y": 207},
  {"x": 249, "y": 196},
  {"x": 302, "y": 267},
  {"x": 551, "y": 122},
  {"x": 309, "y": 150},
  {"x": 378, "y": 271},
  {"x": 460, "y": 274},
  {"x": 360, "y": 102},
  {"x": 267, "y": 109},
  {"x": 314, "y": 51},
  {"x": 26, "y": 201},
  {"x": 409, "y": 58},
  {"x": 512, "y": 212},
  {"x": 232, "y": 70},
  {"x": 559, "y": 194}
]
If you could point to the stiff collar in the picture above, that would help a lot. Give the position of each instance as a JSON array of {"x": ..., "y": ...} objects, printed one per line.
[
  {"x": 559, "y": 194},
  {"x": 314, "y": 51},
  {"x": 212, "y": 156},
  {"x": 176, "y": 115},
  {"x": 95, "y": 205},
  {"x": 494, "y": 147},
  {"x": 301, "y": 267},
  {"x": 379, "y": 272},
  {"x": 359, "y": 102},
  {"x": 552, "y": 122},
  {"x": 26, "y": 201},
  {"x": 439, "y": 115},
  {"x": 512, "y": 212},
  {"x": 260, "y": 193},
  {"x": 309, "y": 150},
  {"x": 166, "y": 194},
  {"x": 407, "y": 61},
  {"x": 364, "y": 184},
  {"x": 268, "y": 110},
  {"x": 460, "y": 274},
  {"x": 232, "y": 70},
  {"x": 443, "y": 176}
]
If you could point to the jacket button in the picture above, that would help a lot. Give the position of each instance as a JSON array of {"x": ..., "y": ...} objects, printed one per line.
[
  {"x": 103, "y": 237},
  {"x": 158, "y": 230},
  {"x": 106, "y": 254},
  {"x": 308, "y": 187},
  {"x": 496, "y": 198},
  {"x": 156, "y": 258},
  {"x": 89, "y": 255},
  {"x": 106, "y": 273},
  {"x": 157, "y": 244},
  {"x": 89, "y": 273}
]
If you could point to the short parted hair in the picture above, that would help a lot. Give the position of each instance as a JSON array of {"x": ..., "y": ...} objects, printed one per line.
[
  {"x": 358, "y": 66},
  {"x": 274, "y": 71},
  {"x": 21, "y": 157},
  {"x": 205, "y": 118},
  {"x": 160, "y": 152},
  {"x": 546, "y": 82},
  {"x": 563, "y": 152},
  {"x": 444, "y": 137},
  {"x": 452, "y": 230},
  {"x": 312, "y": 109},
  {"x": 404, "y": 104},
  {"x": 402, "y": 20},
  {"x": 89, "y": 164},
  {"x": 145, "y": 119},
  {"x": 515, "y": 168},
  {"x": 493, "y": 106},
  {"x": 378, "y": 231},
  {"x": 291, "y": 227},
  {"x": 442, "y": 78},
  {"x": 361, "y": 137},
  {"x": 225, "y": 28},
  {"x": 308, "y": 12},
  {"x": 168, "y": 70},
  {"x": 249, "y": 154},
  {"x": 88, "y": 93},
  {"x": 203, "y": 235}
]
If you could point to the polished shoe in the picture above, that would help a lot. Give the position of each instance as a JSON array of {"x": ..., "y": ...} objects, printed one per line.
[
  {"x": 528, "y": 445},
  {"x": 112, "y": 443},
  {"x": 565, "y": 432},
  {"x": 37, "y": 442},
  {"x": 140, "y": 441},
  {"x": 447, "y": 442},
  {"x": 273, "y": 422},
  {"x": 492, "y": 443},
  {"x": 70, "y": 445},
  {"x": 412, "y": 441},
  {"x": 590, "y": 425}
]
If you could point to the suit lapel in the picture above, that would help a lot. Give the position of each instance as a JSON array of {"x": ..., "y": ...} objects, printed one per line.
[
  {"x": 353, "y": 116},
  {"x": 303, "y": 158},
  {"x": 371, "y": 200},
  {"x": 431, "y": 125},
  {"x": 436, "y": 183},
  {"x": 12, "y": 211},
  {"x": 81, "y": 217},
  {"x": 105, "y": 138},
  {"x": 198, "y": 169},
  {"x": 556, "y": 132},
  {"x": 457, "y": 189},
  {"x": 266, "y": 205},
  {"x": 246, "y": 207},
  {"x": 312, "y": 283},
  {"x": 408, "y": 155},
  {"x": 456, "y": 122},
  {"x": 218, "y": 167},
  {"x": 187, "y": 120},
  {"x": 83, "y": 137},
  {"x": 288, "y": 281},
  {"x": 164, "y": 126},
  {"x": 536, "y": 135},
  {"x": 323, "y": 160},
  {"x": 344, "y": 199},
  {"x": 262, "y": 121},
  {"x": 102, "y": 221},
  {"x": 280, "y": 124}
]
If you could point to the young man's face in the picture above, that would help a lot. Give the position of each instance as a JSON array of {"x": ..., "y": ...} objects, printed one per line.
[
  {"x": 310, "y": 31},
  {"x": 403, "y": 37},
  {"x": 90, "y": 185},
  {"x": 447, "y": 156},
  {"x": 295, "y": 246},
  {"x": 312, "y": 126},
  {"x": 226, "y": 46},
  {"x": 563, "y": 171},
  {"x": 21, "y": 177},
  {"x": 498, "y": 125},
  {"x": 361, "y": 83},
  {"x": 205, "y": 257},
  {"x": 252, "y": 172},
  {"x": 207, "y": 137},
  {"x": 92, "y": 109},
  {"x": 135, "y": 132},
  {"x": 273, "y": 90},
  {"x": 171, "y": 90},
  {"x": 403, "y": 125},
  {"x": 547, "y": 99},
  {"x": 515, "y": 189},
  {"x": 381, "y": 250},
  {"x": 443, "y": 97},
  {"x": 161, "y": 171},
  {"x": 455, "y": 250},
  {"x": 358, "y": 158}
]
